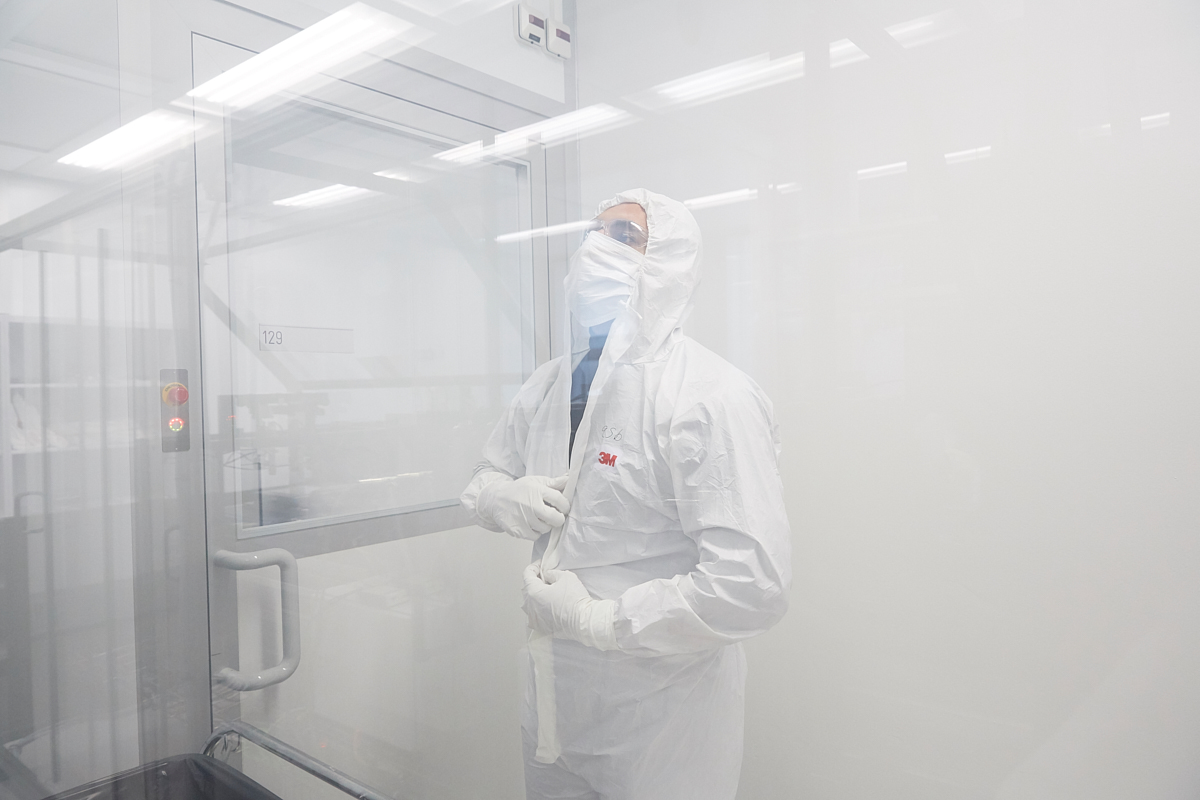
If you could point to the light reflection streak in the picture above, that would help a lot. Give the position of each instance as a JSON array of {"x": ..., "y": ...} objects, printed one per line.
[
  {"x": 396, "y": 477},
  {"x": 468, "y": 153},
  {"x": 724, "y": 81},
  {"x": 334, "y": 40},
  {"x": 924, "y": 30},
  {"x": 695, "y": 203},
  {"x": 843, "y": 52},
  {"x": 397, "y": 175},
  {"x": 1156, "y": 121},
  {"x": 548, "y": 133},
  {"x": 898, "y": 168},
  {"x": 1096, "y": 131},
  {"x": 974, "y": 154},
  {"x": 537, "y": 233},
  {"x": 337, "y": 193},
  {"x": 563, "y": 128},
  {"x": 723, "y": 199}
]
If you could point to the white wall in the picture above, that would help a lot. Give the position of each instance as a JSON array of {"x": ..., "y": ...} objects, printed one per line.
[{"x": 986, "y": 375}]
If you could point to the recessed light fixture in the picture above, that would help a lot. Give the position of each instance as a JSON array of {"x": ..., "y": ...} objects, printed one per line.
[{"x": 147, "y": 136}]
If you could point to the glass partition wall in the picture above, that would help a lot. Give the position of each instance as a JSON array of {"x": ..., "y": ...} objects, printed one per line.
[
  {"x": 102, "y": 586},
  {"x": 69, "y": 328}
]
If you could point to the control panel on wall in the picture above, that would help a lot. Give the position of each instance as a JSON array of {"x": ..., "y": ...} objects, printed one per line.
[
  {"x": 176, "y": 421},
  {"x": 541, "y": 30}
]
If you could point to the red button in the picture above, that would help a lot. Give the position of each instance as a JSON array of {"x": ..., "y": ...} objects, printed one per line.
[{"x": 175, "y": 394}]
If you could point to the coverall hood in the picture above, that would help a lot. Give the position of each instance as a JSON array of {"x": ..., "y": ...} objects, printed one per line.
[{"x": 662, "y": 295}]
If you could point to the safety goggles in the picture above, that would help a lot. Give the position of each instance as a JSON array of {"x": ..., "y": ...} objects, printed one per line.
[{"x": 622, "y": 230}]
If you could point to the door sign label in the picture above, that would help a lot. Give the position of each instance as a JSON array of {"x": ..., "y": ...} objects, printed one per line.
[{"x": 305, "y": 340}]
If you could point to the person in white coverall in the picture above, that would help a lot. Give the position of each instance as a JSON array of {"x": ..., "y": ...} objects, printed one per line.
[{"x": 645, "y": 468}]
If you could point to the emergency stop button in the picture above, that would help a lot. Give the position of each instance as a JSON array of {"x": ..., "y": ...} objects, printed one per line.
[{"x": 175, "y": 394}]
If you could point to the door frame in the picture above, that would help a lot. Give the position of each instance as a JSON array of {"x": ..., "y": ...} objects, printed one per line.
[{"x": 463, "y": 117}]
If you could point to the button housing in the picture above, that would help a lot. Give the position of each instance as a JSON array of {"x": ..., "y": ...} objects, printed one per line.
[{"x": 175, "y": 419}]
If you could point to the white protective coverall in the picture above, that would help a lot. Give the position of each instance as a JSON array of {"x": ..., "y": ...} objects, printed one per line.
[{"x": 676, "y": 514}]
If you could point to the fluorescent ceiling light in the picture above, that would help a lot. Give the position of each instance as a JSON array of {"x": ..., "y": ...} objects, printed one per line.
[
  {"x": 394, "y": 174},
  {"x": 1096, "y": 131},
  {"x": 843, "y": 52},
  {"x": 563, "y": 128},
  {"x": 550, "y": 230},
  {"x": 556, "y": 130},
  {"x": 724, "y": 81},
  {"x": 1156, "y": 121},
  {"x": 145, "y": 137},
  {"x": 887, "y": 169},
  {"x": 787, "y": 188},
  {"x": 723, "y": 199},
  {"x": 974, "y": 154},
  {"x": 924, "y": 30},
  {"x": 338, "y": 193},
  {"x": 332, "y": 41}
]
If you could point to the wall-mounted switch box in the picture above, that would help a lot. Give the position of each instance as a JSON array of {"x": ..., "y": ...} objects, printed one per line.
[
  {"x": 558, "y": 38},
  {"x": 531, "y": 26}
]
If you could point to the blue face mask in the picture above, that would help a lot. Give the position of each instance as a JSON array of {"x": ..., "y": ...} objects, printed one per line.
[{"x": 601, "y": 278}]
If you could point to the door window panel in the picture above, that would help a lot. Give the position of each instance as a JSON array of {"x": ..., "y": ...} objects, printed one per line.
[{"x": 378, "y": 331}]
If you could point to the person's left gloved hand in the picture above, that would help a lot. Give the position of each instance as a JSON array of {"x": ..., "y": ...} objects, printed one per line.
[{"x": 562, "y": 607}]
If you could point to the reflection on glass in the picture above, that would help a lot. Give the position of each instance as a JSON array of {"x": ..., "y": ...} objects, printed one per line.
[
  {"x": 722, "y": 199},
  {"x": 333, "y": 41},
  {"x": 925, "y": 30},
  {"x": 971, "y": 154},
  {"x": 843, "y": 52},
  {"x": 145, "y": 138}
]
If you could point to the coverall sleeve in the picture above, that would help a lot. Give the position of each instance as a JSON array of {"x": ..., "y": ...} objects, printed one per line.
[
  {"x": 724, "y": 469},
  {"x": 502, "y": 455}
]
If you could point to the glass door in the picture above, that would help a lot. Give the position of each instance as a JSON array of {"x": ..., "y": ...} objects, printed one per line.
[{"x": 362, "y": 332}]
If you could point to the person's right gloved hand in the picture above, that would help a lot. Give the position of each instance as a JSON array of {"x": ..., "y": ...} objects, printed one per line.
[{"x": 526, "y": 507}]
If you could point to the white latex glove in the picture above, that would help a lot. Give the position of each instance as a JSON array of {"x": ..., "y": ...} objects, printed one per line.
[
  {"x": 526, "y": 507},
  {"x": 562, "y": 607}
]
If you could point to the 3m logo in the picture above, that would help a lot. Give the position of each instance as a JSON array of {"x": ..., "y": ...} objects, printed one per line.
[{"x": 608, "y": 459}]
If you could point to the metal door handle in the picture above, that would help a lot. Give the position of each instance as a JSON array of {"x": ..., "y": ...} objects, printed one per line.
[{"x": 289, "y": 588}]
